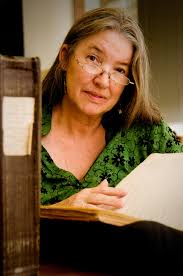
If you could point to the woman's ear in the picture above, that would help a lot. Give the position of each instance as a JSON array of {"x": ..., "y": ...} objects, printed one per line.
[{"x": 64, "y": 56}]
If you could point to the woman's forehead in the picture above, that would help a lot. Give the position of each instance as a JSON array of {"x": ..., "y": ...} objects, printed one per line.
[{"x": 108, "y": 42}]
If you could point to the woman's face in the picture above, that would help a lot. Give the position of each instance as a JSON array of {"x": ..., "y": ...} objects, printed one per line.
[{"x": 93, "y": 93}]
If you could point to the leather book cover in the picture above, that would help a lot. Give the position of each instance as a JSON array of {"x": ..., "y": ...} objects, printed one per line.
[{"x": 20, "y": 96}]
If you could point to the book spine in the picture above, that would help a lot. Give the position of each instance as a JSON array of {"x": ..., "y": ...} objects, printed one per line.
[{"x": 20, "y": 98}]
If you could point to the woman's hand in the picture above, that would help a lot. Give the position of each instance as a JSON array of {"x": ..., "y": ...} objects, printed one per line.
[{"x": 100, "y": 197}]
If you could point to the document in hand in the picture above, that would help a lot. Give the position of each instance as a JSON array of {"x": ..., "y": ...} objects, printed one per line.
[{"x": 155, "y": 190}]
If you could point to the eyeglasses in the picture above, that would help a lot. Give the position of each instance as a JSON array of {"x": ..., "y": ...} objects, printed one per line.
[{"x": 96, "y": 69}]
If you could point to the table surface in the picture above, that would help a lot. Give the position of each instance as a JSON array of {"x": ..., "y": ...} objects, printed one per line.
[{"x": 56, "y": 270}]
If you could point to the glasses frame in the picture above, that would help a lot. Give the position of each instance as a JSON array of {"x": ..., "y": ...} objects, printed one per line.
[{"x": 82, "y": 64}]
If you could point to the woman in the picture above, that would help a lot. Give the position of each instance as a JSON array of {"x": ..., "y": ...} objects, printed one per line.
[{"x": 99, "y": 121}]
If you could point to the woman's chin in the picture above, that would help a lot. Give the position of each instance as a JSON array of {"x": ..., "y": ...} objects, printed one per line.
[{"x": 93, "y": 112}]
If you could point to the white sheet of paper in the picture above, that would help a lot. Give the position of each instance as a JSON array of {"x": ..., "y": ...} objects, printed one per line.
[{"x": 155, "y": 190}]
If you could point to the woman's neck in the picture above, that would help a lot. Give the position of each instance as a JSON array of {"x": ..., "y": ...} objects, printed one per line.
[
  {"x": 74, "y": 143},
  {"x": 74, "y": 123}
]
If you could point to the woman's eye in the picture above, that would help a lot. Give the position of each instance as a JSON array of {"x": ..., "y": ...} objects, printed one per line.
[
  {"x": 93, "y": 59},
  {"x": 121, "y": 71}
]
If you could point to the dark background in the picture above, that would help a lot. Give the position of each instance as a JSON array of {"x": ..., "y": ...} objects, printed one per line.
[{"x": 11, "y": 28}]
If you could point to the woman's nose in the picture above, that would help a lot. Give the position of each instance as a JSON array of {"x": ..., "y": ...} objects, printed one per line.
[{"x": 102, "y": 79}]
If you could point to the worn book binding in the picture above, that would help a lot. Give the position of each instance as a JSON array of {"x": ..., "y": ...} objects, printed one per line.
[
  {"x": 20, "y": 165},
  {"x": 155, "y": 192}
]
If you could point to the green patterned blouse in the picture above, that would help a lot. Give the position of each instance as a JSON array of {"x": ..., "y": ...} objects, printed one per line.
[{"x": 123, "y": 152}]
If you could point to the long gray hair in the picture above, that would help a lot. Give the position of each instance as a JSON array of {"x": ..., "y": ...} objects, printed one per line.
[{"x": 135, "y": 102}]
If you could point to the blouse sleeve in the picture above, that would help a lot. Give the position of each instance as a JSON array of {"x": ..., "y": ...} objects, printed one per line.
[{"x": 165, "y": 139}]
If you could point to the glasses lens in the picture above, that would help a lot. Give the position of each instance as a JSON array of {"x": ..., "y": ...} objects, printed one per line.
[
  {"x": 95, "y": 69},
  {"x": 91, "y": 68},
  {"x": 121, "y": 79}
]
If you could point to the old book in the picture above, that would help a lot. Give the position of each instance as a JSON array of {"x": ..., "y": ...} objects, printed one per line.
[
  {"x": 20, "y": 165},
  {"x": 155, "y": 192}
]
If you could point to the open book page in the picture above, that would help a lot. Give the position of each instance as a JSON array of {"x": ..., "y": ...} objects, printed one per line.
[
  {"x": 85, "y": 214},
  {"x": 155, "y": 190}
]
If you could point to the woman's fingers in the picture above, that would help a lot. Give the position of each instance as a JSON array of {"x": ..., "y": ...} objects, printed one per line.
[
  {"x": 103, "y": 188},
  {"x": 102, "y": 199},
  {"x": 102, "y": 196},
  {"x": 103, "y": 184}
]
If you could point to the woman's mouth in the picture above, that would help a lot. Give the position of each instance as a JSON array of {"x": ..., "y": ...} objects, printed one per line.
[{"x": 94, "y": 96}]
